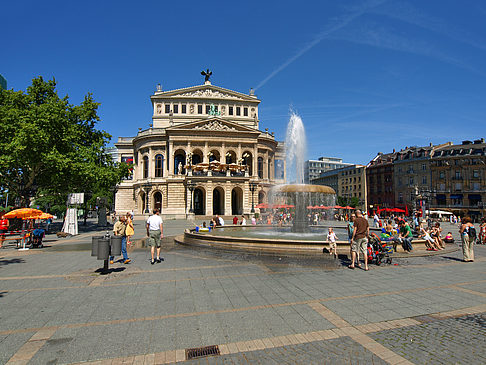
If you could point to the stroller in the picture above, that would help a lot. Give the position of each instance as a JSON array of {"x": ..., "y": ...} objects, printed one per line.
[
  {"x": 378, "y": 252},
  {"x": 37, "y": 237}
]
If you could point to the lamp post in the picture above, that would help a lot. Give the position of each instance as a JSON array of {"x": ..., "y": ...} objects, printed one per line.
[
  {"x": 253, "y": 187},
  {"x": 147, "y": 186},
  {"x": 191, "y": 186}
]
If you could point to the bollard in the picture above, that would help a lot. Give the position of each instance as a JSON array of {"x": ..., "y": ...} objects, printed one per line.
[
  {"x": 103, "y": 248},
  {"x": 116, "y": 243},
  {"x": 94, "y": 245}
]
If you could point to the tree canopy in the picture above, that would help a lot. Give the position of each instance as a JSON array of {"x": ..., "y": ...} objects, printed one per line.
[{"x": 51, "y": 146}]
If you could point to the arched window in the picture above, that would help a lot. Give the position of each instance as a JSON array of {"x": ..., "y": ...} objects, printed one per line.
[
  {"x": 260, "y": 167},
  {"x": 159, "y": 166},
  {"x": 145, "y": 167}
]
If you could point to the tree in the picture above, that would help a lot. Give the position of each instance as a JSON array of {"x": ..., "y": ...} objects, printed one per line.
[{"x": 52, "y": 146}]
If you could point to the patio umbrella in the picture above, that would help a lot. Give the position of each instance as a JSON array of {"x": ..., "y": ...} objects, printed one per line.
[
  {"x": 324, "y": 207},
  {"x": 262, "y": 206},
  {"x": 397, "y": 210},
  {"x": 338, "y": 207},
  {"x": 24, "y": 213},
  {"x": 45, "y": 216},
  {"x": 348, "y": 207}
]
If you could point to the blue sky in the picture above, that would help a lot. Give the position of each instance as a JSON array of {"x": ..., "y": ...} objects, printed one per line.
[{"x": 365, "y": 76}]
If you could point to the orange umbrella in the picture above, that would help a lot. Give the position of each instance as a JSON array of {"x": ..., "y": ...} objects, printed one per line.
[
  {"x": 24, "y": 213},
  {"x": 45, "y": 216}
]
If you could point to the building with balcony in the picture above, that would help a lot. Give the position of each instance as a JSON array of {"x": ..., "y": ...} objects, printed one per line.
[
  {"x": 203, "y": 147},
  {"x": 458, "y": 174},
  {"x": 380, "y": 181},
  {"x": 412, "y": 173}
]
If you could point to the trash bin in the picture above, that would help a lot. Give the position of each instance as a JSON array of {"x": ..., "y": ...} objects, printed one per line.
[
  {"x": 116, "y": 243},
  {"x": 103, "y": 248},
  {"x": 94, "y": 245},
  {"x": 197, "y": 228}
]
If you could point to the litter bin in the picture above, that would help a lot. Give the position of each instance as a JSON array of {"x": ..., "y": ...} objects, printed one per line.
[
  {"x": 94, "y": 245},
  {"x": 103, "y": 248},
  {"x": 116, "y": 243}
]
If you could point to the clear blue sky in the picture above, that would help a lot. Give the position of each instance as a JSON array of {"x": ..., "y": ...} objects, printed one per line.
[{"x": 365, "y": 76}]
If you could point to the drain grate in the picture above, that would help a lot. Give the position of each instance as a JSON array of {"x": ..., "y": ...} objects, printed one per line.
[{"x": 202, "y": 352}]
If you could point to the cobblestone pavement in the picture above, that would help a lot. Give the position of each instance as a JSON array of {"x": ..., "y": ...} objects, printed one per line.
[
  {"x": 459, "y": 340},
  {"x": 55, "y": 308}
]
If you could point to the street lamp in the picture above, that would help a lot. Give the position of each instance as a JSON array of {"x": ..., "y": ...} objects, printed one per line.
[
  {"x": 253, "y": 187},
  {"x": 147, "y": 186},
  {"x": 191, "y": 186}
]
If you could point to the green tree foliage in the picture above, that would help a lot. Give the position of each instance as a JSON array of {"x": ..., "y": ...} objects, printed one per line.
[
  {"x": 52, "y": 146},
  {"x": 352, "y": 202}
]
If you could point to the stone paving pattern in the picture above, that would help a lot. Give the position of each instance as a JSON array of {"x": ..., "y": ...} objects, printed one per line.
[{"x": 55, "y": 308}]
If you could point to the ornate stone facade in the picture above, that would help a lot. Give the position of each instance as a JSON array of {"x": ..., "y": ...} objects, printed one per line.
[{"x": 204, "y": 146}]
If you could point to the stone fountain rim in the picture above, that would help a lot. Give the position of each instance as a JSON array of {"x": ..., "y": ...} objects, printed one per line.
[{"x": 308, "y": 188}]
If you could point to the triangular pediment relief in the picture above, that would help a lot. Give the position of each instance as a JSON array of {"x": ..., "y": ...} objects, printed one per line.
[
  {"x": 213, "y": 124},
  {"x": 205, "y": 92}
]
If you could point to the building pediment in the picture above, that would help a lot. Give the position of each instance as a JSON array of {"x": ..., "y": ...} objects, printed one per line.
[
  {"x": 205, "y": 92},
  {"x": 213, "y": 124}
]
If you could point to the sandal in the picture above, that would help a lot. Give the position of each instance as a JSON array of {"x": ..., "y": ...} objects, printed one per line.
[{"x": 351, "y": 267}]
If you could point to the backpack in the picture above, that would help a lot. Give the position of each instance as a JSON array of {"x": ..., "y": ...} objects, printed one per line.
[{"x": 471, "y": 232}]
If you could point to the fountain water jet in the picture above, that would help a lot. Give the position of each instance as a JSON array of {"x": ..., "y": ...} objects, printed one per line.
[{"x": 299, "y": 194}]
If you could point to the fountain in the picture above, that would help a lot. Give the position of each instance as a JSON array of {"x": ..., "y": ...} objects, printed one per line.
[
  {"x": 299, "y": 194},
  {"x": 300, "y": 236}
]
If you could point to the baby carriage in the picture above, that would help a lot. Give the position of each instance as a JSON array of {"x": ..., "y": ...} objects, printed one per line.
[
  {"x": 37, "y": 237},
  {"x": 378, "y": 252}
]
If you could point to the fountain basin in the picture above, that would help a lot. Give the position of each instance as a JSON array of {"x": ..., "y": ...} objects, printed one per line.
[{"x": 240, "y": 238}]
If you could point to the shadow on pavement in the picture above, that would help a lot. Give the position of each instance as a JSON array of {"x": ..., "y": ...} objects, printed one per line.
[
  {"x": 5, "y": 262},
  {"x": 110, "y": 271}
]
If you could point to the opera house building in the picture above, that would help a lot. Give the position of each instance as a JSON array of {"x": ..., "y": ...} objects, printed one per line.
[{"x": 203, "y": 154}]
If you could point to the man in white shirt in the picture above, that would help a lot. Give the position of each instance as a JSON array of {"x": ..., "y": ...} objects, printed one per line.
[
  {"x": 221, "y": 220},
  {"x": 155, "y": 234}
]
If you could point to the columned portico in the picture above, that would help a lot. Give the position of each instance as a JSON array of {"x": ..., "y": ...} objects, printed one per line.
[{"x": 210, "y": 140}]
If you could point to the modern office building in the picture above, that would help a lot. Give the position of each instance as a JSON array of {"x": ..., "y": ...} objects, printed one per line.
[{"x": 314, "y": 168}]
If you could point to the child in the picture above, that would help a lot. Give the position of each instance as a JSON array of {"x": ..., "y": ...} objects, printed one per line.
[
  {"x": 331, "y": 239},
  {"x": 448, "y": 238}
]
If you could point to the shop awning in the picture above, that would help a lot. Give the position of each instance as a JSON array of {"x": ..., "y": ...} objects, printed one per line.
[
  {"x": 456, "y": 196},
  {"x": 474, "y": 196}
]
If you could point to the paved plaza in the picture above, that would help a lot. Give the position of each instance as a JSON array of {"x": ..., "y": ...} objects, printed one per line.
[{"x": 56, "y": 309}]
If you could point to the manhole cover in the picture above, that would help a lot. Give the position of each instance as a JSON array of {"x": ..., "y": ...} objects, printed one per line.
[{"x": 202, "y": 352}]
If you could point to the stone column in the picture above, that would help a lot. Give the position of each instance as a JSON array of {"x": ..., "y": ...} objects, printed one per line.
[
  {"x": 265, "y": 165},
  {"x": 255, "y": 161},
  {"x": 170, "y": 159}
]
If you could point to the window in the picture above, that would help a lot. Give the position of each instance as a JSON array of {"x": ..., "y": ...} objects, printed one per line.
[
  {"x": 230, "y": 110},
  {"x": 458, "y": 186},
  {"x": 238, "y": 110},
  {"x": 145, "y": 166},
  {"x": 183, "y": 109},
  {"x": 410, "y": 181},
  {"x": 260, "y": 167},
  {"x": 441, "y": 175},
  {"x": 475, "y": 174},
  {"x": 442, "y": 187},
  {"x": 424, "y": 180},
  {"x": 475, "y": 186},
  {"x": 400, "y": 197},
  {"x": 399, "y": 181},
  {"x": 176, "y": 108},
  {"x": 208, "y": 108},
  {"x": 458, "y": 175},
  {"x": 199, "y": 109},
  {"x": 159, "y": 166},
  {"x": 245, "y": 111},
  {"x": 167, "y": 108},
  {"x": 424, "y": 167}
]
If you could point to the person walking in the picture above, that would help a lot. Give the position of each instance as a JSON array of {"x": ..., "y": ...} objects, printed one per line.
[
  {"x": 3, "y": 229},
  {"x": 119, "y": 229},
  {"x": 361, "y": 231},
  {"x": 468, "y": 236},
  {"x": 331, "y": 240},
  {"x": 155, "y": 233}
]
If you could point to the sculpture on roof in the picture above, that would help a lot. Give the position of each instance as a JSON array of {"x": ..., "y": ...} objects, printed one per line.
[{"x": 207, "y": 74}]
